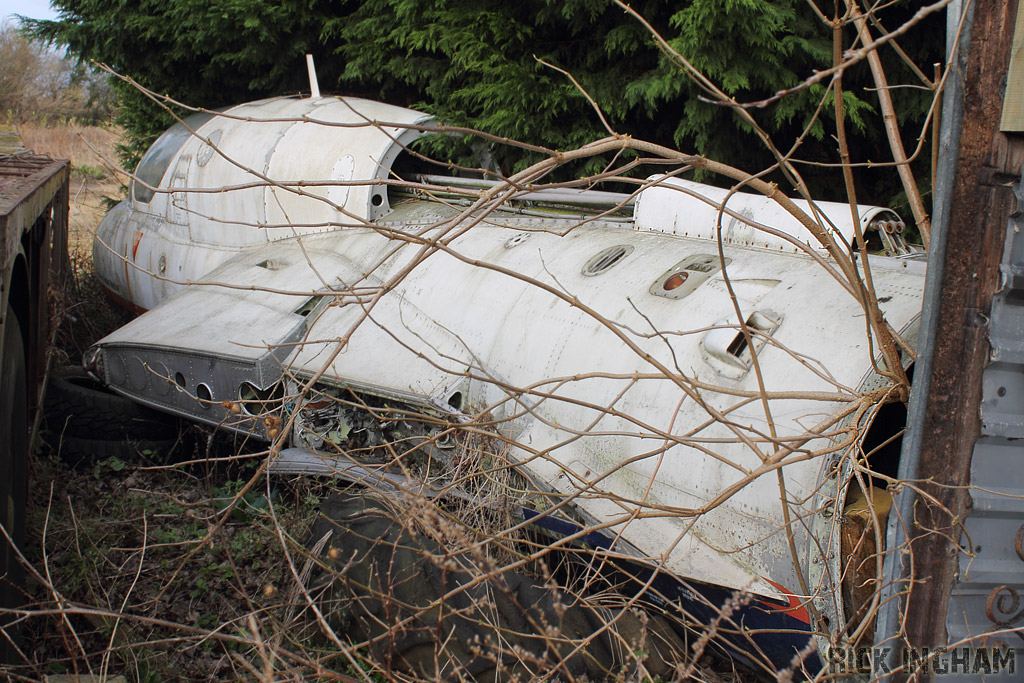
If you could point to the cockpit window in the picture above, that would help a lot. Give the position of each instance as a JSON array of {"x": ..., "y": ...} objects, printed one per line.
[{"x": 157, "y": 158}]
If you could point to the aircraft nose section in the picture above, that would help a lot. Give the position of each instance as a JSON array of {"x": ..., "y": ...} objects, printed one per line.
[{"x": 111, "y": 248}]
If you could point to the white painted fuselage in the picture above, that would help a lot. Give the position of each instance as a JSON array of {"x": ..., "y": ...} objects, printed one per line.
[{"x": 607, "y": 353}]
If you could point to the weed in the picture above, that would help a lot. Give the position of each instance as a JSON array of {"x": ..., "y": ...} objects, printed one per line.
[
  {"x": 88, "y": 172},
  {"x": 107, "y": 465},
  {"x": 249, "y": 506}
]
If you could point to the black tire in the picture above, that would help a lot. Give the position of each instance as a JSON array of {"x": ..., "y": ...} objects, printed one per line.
[
  {"x": 81, "y": 408},
  {"x": 14, "y": 457},
  {"x": 377, "y": 571}
]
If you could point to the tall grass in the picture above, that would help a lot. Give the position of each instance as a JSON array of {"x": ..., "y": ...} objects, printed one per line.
[{"x": 87, "y": 147}]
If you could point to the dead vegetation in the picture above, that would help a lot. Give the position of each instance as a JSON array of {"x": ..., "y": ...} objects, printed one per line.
[
  {"x": 168, "y": 572},
  {"x": 115, "y": 595},
  {"x": 89, "y": 148}
]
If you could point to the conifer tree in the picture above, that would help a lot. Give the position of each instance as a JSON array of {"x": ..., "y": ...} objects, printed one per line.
[{"x": 492, "y": 66}]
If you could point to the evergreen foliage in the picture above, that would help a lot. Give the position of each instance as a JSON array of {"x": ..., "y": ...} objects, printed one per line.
[{"x": 478, "y": 63}]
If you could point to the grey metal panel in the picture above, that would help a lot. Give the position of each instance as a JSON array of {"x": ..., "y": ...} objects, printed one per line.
[
  {"x": 301, "y": 461},
  {"x": 993, "y": 573},
  {"x": 1002, "y": 398},
  {"x": 170, "y": 380}
]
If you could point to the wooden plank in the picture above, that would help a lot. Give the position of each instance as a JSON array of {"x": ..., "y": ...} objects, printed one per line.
[{"x": 1008, "y": 156}]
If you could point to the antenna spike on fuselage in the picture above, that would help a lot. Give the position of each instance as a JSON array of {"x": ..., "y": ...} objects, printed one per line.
[{"x": 314, "y": 87}]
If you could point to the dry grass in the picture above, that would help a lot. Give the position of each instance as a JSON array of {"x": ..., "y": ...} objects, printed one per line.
[
  {"x": 95, "y": 178},
  {"x": 88, "y": 147},
  {"x": 95, "y": 184}
]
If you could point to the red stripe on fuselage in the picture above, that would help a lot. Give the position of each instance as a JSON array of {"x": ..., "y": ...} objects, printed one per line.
[
  {"x": 121, "y": 301},
  {"x": 797, "y": 606}
]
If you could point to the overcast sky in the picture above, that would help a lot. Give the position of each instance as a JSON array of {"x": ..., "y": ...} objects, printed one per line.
[{"x": 35, "y": 9}]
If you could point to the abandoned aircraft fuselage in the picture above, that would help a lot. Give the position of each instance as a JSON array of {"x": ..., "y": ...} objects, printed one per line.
[{"x": 605, "y": 351}]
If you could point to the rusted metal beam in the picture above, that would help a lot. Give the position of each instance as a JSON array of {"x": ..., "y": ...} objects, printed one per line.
[
  {"x": 34, "y": 201},
  {"x": 27, "y": 186}
]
